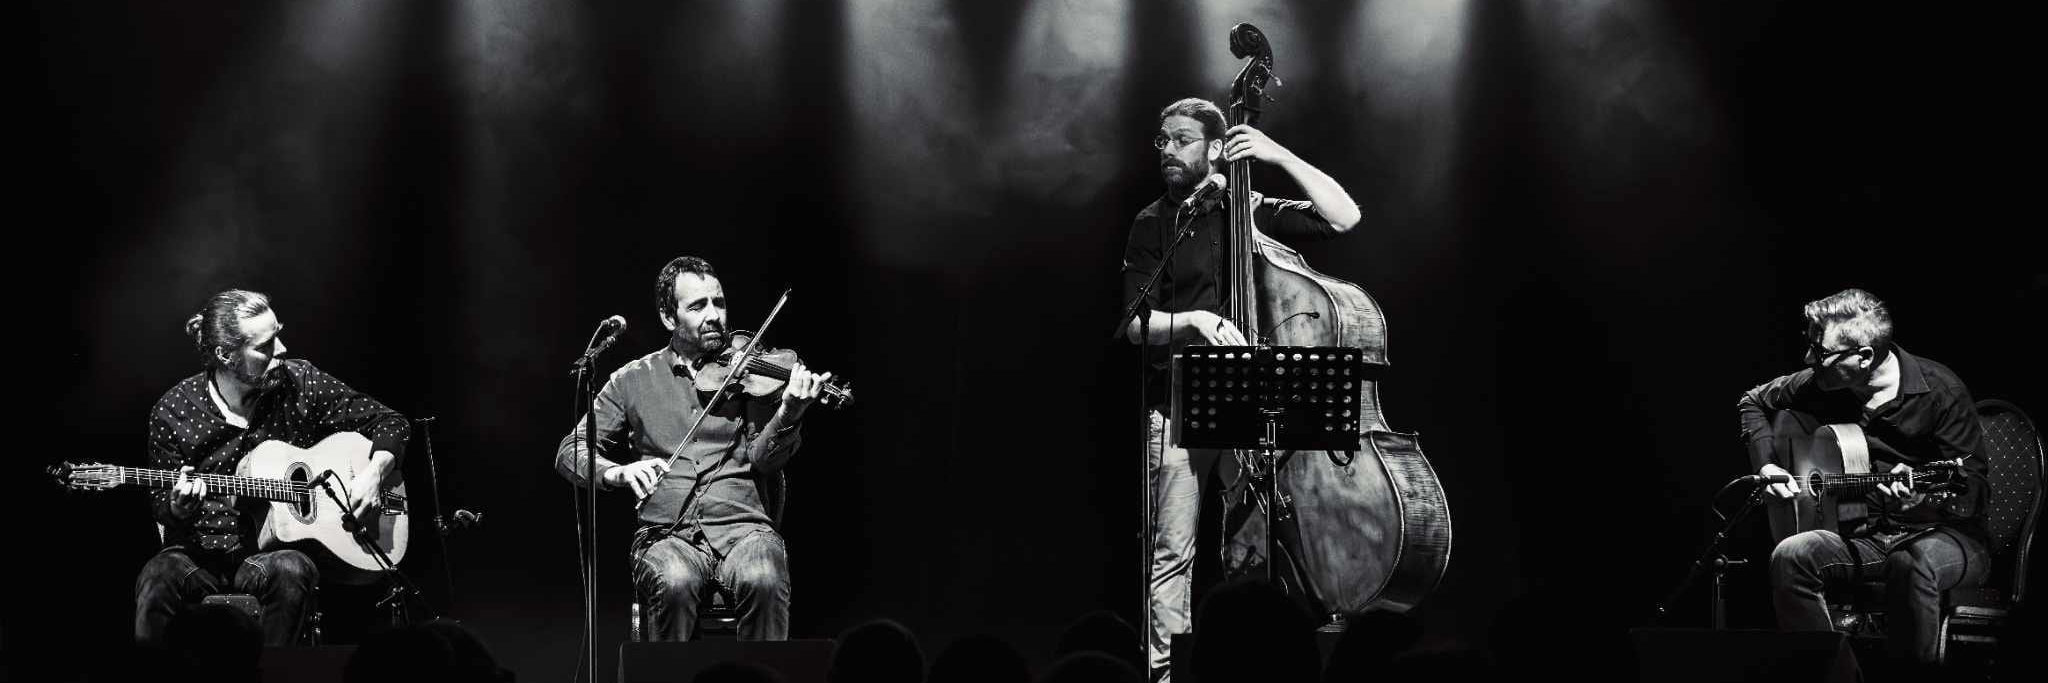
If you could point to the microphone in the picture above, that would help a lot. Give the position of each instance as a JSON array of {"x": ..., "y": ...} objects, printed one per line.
[
  {"x": 607, "y": 333},
  {"x": 463, "y": 519},
  {"x": 348, "y": 521},
  {"x": 1767, "y": 479},
  {"x": 610, "y": 329},
  {"x": 1311, "y": 314},
  {"x": 1214, "y": 183}
]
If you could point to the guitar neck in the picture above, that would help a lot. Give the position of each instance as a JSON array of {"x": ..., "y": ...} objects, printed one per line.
[
  {"x": 278, "y": 490},
  {"x": 1859, "y": 482}
]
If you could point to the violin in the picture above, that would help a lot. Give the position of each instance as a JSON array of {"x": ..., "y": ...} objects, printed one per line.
[{"x": 767, "y": 371}]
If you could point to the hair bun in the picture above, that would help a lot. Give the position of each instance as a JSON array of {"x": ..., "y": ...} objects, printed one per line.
[{"x": 193, "y": 323}]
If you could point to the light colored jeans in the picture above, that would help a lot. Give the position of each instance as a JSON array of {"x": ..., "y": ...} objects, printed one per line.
[
  {"x": 1177, "y": 476},
  {"x": 670, "y": 576}
]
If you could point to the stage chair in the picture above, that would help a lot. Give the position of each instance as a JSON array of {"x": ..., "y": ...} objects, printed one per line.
[{"x": 1975, "y": 615}]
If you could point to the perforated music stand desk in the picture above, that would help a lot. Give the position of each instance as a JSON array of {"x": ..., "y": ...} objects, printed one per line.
[{"x": 1267, "y": 397}]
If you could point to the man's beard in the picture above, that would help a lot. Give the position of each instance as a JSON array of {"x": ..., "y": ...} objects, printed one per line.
[
  {"x": 705, "y": 345},
  {"x": 259, "y": 383},
  {"x": 1189, "y": 176}
]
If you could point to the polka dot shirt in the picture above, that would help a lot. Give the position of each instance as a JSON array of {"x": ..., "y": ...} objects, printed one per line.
[{"x": 187, "y": 427}]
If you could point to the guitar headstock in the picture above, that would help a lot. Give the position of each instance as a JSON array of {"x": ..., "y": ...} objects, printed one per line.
[
  {"x": 1941, "y": 476},
  {"x": 89, "y": 476}
]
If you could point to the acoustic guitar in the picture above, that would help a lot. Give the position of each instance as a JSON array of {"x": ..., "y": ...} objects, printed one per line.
[
  {"x": 300, "y": 515},
  {"x": 1832, "y": 469}
]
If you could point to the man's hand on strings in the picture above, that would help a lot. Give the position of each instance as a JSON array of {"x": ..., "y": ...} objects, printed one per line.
[
  {"x": 641, "y": 475},
  {"x": 185, "y": 494},
  {"x": 802, "y": 390},
  {"x": 366, "y": 498},
  {"x": 1245, "y": 141},
  {"x": 1897, "y": 489},
  {"x": 1215, "y": 330}
]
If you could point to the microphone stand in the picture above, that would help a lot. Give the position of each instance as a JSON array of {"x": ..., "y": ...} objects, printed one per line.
[
  {"x": 1711, "y": 559},
  {"x": 441, "y": 526},
  {"x": 402, "y": 586},
  {"x": 1181, "y": 234},
  {"x": 1131, "y": 310},
  {"x": 585, "y": 397}
]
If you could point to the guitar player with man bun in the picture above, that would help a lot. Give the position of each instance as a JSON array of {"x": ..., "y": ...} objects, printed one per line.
[
  {"x": 247, "y": 394},
  {"x": 1913, "y": 413}
]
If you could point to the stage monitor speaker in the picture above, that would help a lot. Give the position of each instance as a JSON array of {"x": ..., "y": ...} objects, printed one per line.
[
  {"x": 1677, "y": 655},
  {"x": 795, "y": 661},
  {"x": 1182, "y": 652},
  {"x": 304, "y": 664}
]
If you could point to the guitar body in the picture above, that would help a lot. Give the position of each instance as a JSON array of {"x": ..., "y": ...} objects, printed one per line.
[
  {"x": 1831, "y": 449},
  {"x": 317, "y": 521}
]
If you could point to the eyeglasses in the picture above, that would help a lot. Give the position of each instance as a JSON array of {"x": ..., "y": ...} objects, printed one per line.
[
  {"x": 1817, "y": 355},
  {"x": 1162, "y": 141}
]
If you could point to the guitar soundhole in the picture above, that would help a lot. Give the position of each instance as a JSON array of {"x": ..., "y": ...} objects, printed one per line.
[{"x": 303, "y": 507}]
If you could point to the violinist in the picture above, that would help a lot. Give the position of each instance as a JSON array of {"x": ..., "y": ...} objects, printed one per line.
[
  {"x": 1192, "y": 145},
  {"x": 705, "y": 522}
]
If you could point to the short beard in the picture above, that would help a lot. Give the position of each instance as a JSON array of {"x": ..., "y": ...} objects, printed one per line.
[
  {"x": 259, "y": 383},
  {"x": 1190, "y": 176},
  {"x": 697, "y": 345}
]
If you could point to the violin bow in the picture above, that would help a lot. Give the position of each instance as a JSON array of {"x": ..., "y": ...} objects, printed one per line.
[{"x": 724, "y": 386}]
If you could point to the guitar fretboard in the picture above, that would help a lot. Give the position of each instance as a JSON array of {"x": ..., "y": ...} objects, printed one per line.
[
  {"x": 279, "y": 490},
  {"x": 1858, "y": 482}
]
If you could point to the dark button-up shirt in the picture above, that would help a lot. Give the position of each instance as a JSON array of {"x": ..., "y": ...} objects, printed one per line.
[
  {"x": 1932, "y": 418},
  {"x": 712, "y": 495},
  {"x": 1192, "y": 282},
  {"x": 187, "y": 428}
]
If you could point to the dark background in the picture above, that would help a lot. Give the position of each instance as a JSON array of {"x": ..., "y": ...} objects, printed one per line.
[{"x": 1591, "y": 225}]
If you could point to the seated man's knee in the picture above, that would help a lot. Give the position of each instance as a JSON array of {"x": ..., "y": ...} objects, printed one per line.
[
  {"x": 760, "y": 579},
  {"x": 669, "y": 582},
  {"x": 1793, "y": 556},
  {"x": 165, "y": 567},
  {"x": 283, "y": 571},
  {"x": 1905, "y": 568}
]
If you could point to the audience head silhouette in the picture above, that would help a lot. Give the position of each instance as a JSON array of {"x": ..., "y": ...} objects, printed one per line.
[
  {"x": 441, "y": 650},
  {"x": 979, "y": 659},
  {"x": 1249, "y": 631},
  {"x": 1090, "y": 667},
  {"x": 879, "y": 651}
]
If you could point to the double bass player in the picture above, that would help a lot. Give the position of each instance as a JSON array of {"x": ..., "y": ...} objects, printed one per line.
[{"x": 1182, "y": 308}]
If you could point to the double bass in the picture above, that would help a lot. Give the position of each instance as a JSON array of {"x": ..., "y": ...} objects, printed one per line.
[{"x": 1358, "y": 531}]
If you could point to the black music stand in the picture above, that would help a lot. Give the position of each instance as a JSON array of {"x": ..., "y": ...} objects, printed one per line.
[{"x": 1267, "y": 399}]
